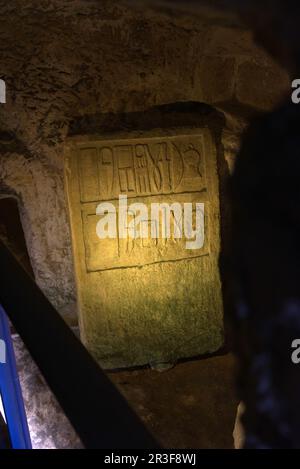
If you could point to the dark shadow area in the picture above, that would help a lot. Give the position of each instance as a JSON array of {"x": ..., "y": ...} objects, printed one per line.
[
  {"x": 4, "y": 437},
  {"x": 192, "y": 405},
  {"x": 11, "y": 232}
]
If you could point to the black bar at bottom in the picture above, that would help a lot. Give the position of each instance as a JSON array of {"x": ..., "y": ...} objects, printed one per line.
[{"x": 141, "y": 458}]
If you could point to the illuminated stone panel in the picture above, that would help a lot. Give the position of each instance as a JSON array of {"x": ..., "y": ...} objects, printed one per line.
[{"x": 147, "y": 299}]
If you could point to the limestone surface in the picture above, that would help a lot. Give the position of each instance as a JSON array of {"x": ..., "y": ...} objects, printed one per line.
[{"x": 145, "y": 295}]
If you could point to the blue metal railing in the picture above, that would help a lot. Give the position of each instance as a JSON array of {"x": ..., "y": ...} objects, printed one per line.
[{"x": 10, "y": 390}]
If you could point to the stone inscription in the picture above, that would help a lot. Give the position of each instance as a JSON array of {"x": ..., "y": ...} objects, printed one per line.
[
  {"x": 142, "y": 167},
  {"x": 142, "y": 299},
  {"x": 165, "y": 170}
]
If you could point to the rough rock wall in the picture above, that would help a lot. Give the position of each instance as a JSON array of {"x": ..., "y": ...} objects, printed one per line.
[
  {"x": 49, "y": 427},
  {"x": 63, "y": 59},
  {"x": 39, "y": 189}
]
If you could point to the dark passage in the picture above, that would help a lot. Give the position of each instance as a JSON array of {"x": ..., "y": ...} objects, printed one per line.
[{"x": 11, "y": 231}]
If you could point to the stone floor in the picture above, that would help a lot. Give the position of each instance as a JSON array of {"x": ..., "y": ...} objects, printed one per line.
[{"x": 192, "y": 405}]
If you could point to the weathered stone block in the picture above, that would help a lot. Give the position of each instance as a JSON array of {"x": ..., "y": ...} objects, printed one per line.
[
  {"x": 148, "y": 299},
  {"x": 216, "y": 77},
  {"x": 261, "y": 86},
  {"x": 232, "y": 42}
]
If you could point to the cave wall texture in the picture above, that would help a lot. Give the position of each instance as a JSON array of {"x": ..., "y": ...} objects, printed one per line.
[{"x": 63, "y": 60}]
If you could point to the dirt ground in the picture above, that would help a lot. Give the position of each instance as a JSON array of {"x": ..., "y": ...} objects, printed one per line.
[{"x": 193, "y": 405}]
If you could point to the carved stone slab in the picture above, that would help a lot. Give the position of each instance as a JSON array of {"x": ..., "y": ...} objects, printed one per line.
[{"x": 145, "y": 298}]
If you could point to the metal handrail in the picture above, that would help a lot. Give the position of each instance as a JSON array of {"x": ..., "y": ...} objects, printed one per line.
[
  {"x": 11, "y": 393},
  {"x": 98, "y": 412}
]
